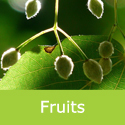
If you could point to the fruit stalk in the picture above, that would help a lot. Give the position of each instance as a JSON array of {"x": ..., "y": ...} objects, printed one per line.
[{"x": 114, "y": 27}]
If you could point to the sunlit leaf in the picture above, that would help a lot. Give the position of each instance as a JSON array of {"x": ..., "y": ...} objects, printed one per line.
[{"x": 35, "y": 69}]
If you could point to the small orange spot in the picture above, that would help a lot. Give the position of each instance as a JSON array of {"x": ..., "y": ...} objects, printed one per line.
[{"x": 49, "y": 49}]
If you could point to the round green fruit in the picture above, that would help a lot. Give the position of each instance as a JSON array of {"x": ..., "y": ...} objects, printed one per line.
[
  {"x": 32, "y": 8},
  {"x": 106, "y": 64},
  {"x": 96, "y": 7},
  {"x": 64, "y": 66},
  {"x": 106, "y": 49},
  {"x": 93, "y": 71},
  {"x": 9, "y": 58}
]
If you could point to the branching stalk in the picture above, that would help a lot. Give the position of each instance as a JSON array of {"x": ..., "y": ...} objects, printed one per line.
[
  {"x": 74, "y": 43},
  {"x": 115, "y": 12},
  {"x": 55, "y": 28},
  {"x": 121, "y": 31},
  {"x": 114, "y": 27},
  {"x": 32, "y": 38},
  {"x": 59, "y": 42}
]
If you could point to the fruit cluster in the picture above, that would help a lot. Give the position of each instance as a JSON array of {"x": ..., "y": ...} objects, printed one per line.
[
  {"x": 64, "y": 64},
  {"x": 92, "y": 69},
  {"x": 106, "y": 50}
]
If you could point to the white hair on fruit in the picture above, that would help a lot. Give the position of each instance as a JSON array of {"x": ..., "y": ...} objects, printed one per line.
[
  {"x": 7, "y": 52},
  {"x": 68, "y": 59},
  {"x": 102, "y": 5},
  {"x": 38, "y": 8}
]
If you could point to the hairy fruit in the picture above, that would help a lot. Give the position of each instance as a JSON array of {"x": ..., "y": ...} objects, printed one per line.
[
  {"x": 93, "y": 70},
  {"x": 64, "y": 66},
  {"x": 96, "y": 7},
  {"x": 106, "y": 64},
  {"x": 9, "y": 58},
  {"x": 106, "y": 49},
  {"x": 32, "y": 8}
]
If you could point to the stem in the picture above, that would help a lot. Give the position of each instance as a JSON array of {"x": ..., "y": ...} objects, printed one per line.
[
  {"x": 56, "y": 26},
  {"x": 116, "y": 20},
  {"x": 59, "y": 42},
  {"x": 115, "y": 11},
  {"x": 32, "y": 38},
  {"x": 45, "y": 31},
  {"x": 121, "y": 32},
  {"x": 56, "y": 14},
  {"x": 86, "y": 85},
  {"x": 73, "y": 42},
  {"x": 113, "y": 29}
]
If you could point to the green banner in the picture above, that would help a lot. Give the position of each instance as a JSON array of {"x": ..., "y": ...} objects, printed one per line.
[{"x": 62, "y": 107}]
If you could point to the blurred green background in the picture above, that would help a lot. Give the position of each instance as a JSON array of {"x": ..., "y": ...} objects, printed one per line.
[{"x": 74, "y": 18}]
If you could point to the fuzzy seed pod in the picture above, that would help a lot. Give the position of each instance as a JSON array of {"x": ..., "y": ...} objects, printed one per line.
[
  {"x": 9, "y": 58},
  {"x": 106, "y": 64},
  {"x": 93, "y": 70},
  {"x": 64, "y": 66},
  {"x": 32, "y": 8},
  {"x": 96, "y": 7},
  {"x": 106, "y": 49}
]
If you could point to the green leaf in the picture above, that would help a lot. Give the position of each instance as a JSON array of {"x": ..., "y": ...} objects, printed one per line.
[{"x": 35, "y": 69}]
